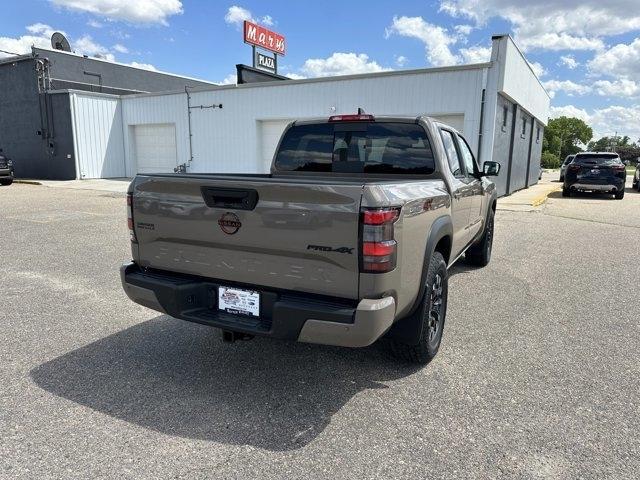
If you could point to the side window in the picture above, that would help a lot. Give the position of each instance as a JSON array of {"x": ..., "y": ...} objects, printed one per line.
[
  {"x": 452, "y": 153},
  {"x": 467, "y": 156}
]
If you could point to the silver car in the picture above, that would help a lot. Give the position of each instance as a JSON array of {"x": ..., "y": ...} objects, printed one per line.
[{"x": 565, "y": 164}]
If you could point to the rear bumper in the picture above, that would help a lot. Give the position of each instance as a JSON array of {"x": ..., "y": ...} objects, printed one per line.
[
  {"x": 284, "y": 315},
  {"x": 607, "y": 185},
  {"x": 6, "y": 172}
]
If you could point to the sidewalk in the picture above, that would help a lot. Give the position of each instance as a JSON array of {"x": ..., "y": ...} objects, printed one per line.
[
  {"x": 531, "y": 198},
  {"x": 116, "y": 185}
]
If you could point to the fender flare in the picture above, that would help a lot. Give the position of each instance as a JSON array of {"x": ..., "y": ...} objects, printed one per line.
[{"x": 407, "y": 329}]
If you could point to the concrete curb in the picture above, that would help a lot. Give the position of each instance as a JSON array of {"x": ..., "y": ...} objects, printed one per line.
[
  {"x": 28, "y": 182},
  {"x": 542, "y": 198}
]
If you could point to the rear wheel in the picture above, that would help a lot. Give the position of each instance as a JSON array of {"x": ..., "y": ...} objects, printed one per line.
[
  {"x": 619, "y": 195},
  {"x": 432, "y": 311},
  {"x": 6, "y": 181},
  {"x": 479, "y": 254},
  {"x": 566, "y": 192}
]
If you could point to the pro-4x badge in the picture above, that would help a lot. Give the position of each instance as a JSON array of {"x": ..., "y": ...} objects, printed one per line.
[{"x": 323, "y": 248}]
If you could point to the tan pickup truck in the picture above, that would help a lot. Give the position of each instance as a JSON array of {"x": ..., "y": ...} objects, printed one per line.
[{"x": 347, "y": 240}]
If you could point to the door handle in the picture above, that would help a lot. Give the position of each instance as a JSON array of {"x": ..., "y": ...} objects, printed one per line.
[{"x": 239, "y": 199}]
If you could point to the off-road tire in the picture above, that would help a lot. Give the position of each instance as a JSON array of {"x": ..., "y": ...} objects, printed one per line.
[
  {"x": 566, "y": 192},
  {"x": 6, "y": 181},
  {"x": 479, "y": 254},
  {"x": 619, "y": 195},
  {"x": 433, "y": 311}
]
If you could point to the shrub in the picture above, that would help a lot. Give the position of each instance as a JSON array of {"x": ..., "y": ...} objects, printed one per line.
[{"x": 549, "y": 160}]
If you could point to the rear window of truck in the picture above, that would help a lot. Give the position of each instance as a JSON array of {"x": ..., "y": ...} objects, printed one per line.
[{"x": 356, "y": 148}]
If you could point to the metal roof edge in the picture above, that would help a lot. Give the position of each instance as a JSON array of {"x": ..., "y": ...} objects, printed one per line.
[
  {"x": 122, "y": 64},
  {"x": 337, "y": 78}
]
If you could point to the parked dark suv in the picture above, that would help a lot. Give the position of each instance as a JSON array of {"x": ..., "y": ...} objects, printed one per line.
[
  {"x": 6, "y": 170},
  {"x": 595, "y": 172}
]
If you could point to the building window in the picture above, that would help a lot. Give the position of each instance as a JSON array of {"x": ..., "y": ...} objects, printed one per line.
[
  {"x": 538, "y": 134},
  {"x": 505, "y": 116},
  {"x": 524, "y": 126}
]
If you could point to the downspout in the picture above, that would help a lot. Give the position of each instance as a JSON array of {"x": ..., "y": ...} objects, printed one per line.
[
  {"x": 513, "y": 139},
  {"x": 534, "y": 122},
  {"x": 482, "y": 102},
  {"x": 186, "y": 91}
]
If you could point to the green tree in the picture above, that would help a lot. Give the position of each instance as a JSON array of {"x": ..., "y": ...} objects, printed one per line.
[
  {"x": 564, "y": 135},
  {"x": 611, "y": 143}
]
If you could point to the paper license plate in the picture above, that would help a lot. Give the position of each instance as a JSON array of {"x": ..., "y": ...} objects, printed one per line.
[{"x": 241, "y": 302}]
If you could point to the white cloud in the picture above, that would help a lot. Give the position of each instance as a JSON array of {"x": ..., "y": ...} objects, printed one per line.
[
  {"x": 40, "y": 37},
  {"x": 569, "y": 111},
  {"x": 40, "y": 29},
  {"x": 294, "y": 76},
  {"x": 340, "y": 64},
  {"x": 554, "y": 24},
  {"x": 401, "y": 60},
  {"x": 118, "y": 47},
  {"x": 567, "y": 86},
  {"x": 558, "y": 41},
  {"x": 87, "y": 46},
  {"x": 618, "y": 88},
  {"x": 463, "y": 29},
  {"x": 621, "y": 60},
  {"x": 134, "y": 11},
  {"x": 237, "y": 15},
  {"x": 625, "y": 120},
  {"x": 568, "y": 61},
  {"x": 437, "y": 40},
  {"x": 538, "y": 69},
  {"x": 476, "y": 54},
  {"x": 145, "y": 66},
  {"x": 95, "y": 24},
  {"x": 230, "y": 79}
]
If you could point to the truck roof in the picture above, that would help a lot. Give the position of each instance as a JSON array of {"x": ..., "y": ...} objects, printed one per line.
[{"x": 375, "y": 118}]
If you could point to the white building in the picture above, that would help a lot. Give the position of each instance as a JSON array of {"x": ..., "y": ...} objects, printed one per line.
[{"x": 500, "y": 107}]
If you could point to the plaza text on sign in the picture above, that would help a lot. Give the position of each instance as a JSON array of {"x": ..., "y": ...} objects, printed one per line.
[
  {"x": 265, "y": 62},
  {"x": 264, "y": 38}
]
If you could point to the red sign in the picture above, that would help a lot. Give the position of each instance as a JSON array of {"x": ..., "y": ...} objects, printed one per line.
[{"x": 263, "y": 37}]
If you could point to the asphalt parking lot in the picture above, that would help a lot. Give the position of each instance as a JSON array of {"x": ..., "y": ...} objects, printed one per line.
[{"x": 538, "y": 375}]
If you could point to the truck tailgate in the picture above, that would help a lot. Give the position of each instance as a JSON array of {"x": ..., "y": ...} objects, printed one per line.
[{"x": 298, "y": 236}]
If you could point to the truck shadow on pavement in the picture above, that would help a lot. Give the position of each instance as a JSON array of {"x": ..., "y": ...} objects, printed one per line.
[
  {"x": 583, "y": 196},
  {"x": 178, "y": 378}
]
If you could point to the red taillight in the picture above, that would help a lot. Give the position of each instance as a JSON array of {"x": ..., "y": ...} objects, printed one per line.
[
  {"x": 619, "y": 168},
  {"x": 378, "y": 252},
  {"x": 378, "y": 217},
  {"x": 351, "y": 118},
  {"x": 379, "y": 249},
  {"x": 132, "y": 232},
  {"x": 574, "y": 167}
]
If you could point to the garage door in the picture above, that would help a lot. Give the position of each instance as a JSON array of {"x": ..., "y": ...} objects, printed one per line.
[
  {"x": 155, "y": 148},
  {"x": 455, "y": 121},
  {"x": 270, "y": 132}
]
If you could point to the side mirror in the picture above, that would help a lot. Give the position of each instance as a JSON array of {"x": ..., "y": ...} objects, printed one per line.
[{"x": 490, "y": 169}]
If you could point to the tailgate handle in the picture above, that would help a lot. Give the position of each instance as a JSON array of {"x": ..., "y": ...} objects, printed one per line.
[{"x": 238, "y": 199}]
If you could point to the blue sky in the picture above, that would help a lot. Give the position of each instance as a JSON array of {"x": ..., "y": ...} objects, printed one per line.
[{"x": 587, "y": 52}]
